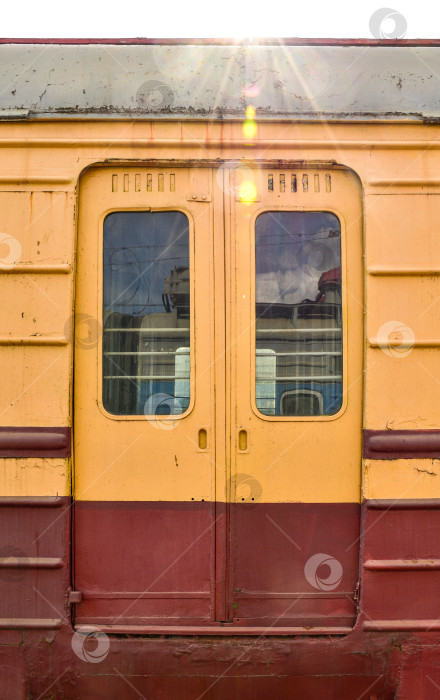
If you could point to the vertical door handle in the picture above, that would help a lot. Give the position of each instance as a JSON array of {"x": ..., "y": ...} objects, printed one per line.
[
  {"x": 242, "y": 440},
  {"x": 203, "y": 439}
]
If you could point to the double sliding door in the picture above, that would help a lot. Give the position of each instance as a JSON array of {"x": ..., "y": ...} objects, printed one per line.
[{"x": 217, "y": 400}]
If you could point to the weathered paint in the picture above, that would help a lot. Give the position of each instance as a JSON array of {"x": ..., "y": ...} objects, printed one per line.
[
  {"x": 391, "y": 652},
  {"x": 169, "y": 580},
  {"x": 385, "y": 663},
  {"x": 284, "y": 456},
  {"x": 208, "y": 81},
  {"x": 34, "y": 442}
]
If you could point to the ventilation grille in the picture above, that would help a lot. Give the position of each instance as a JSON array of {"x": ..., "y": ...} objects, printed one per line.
[
  {"x": 294, "y": 182},
  {"x": 144, "y": 182}
]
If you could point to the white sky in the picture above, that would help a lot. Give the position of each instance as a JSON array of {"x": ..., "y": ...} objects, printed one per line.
[{"x": 207, "y": 18}]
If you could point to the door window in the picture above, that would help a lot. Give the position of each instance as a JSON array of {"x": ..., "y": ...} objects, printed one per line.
[
  {"x": 146, "y": 348},
  {"x": 298, "y": 313}
]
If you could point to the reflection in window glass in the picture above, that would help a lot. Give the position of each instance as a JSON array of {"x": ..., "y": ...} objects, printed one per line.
[
  {"x": 298, "y": 313},
  {"x": 146, "y": 313}
]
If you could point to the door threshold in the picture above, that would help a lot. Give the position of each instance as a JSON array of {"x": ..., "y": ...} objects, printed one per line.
[{"x": 225, "y": 629}]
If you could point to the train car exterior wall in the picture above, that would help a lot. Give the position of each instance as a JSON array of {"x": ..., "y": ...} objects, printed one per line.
[{"x": 74, "y": 521}]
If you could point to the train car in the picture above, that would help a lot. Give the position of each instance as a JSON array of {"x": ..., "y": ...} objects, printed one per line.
[{"x": 220, "y": 416}]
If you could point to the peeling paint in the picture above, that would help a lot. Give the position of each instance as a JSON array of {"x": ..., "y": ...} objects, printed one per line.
[{"x": 302, "y": 82}]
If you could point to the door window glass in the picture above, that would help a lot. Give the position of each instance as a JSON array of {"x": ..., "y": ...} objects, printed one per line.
[
  {"x": 298, "y": 313},
  {"x": 146, "y": 313}
]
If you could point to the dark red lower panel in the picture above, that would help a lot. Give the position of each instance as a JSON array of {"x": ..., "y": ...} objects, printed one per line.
[
  {"x": 34, "y": 560},
  {"x": 401, "y": 553},
  {"x": 143, "y": 563},
  {"x": 294, "y": 563}
]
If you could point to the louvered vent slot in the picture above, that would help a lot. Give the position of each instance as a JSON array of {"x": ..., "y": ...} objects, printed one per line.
[{"x": 139, "y": 182}]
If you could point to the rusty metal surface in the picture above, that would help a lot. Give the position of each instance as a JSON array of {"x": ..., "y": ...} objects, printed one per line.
[{"x": 203, "y": 81}]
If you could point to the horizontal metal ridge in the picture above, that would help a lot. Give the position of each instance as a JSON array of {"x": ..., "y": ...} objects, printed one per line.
[
  {"x": 401, "y": 444},
  {"x": 404, "y": 182},
  {"x": 403, "y": 504},
  {"x": 220, "y": 41},
  {"x": 222, "y": 630},
  {"x": 262, "y": 595},
  {"x": 23, "y": 623},
  {"x": 34, "y": 441},
  {"x": 116, "y": 595},
  {"x": 402, "y": 271},
  {"x": 402, "y": 564},
  {"x": 31, "y": 179},
  {"x": 401, "y": 625},
  {"x": 417, "y": 343},
  {"x": 284, "y": 144},
  {"x": 31, "y": 269},
  {"x": 31, "y": 501},
  {"x": 34, "y": 340},
  {"x": 30, "y": 562}
]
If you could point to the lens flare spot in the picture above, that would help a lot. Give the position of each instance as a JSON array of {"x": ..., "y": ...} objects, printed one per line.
[
  {"x": 249, "y": 129},
  {"x": 247, "y": 191}
]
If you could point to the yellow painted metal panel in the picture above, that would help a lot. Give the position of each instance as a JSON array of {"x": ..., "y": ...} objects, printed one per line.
[
  {"x": 402, "y": 229},
  {"x": 401, "y": 478},
  {"x": 403, "y": 320},
  {"x": 35, "y": 385},
  {"x": 413, "y": 301},
  {"x": 35, "y": 305},
  {"x": 133, "y": 459},
  {"x": 402, "y": 388},
  {"x": 35, "y": 477},
  {"x": 311, "y": 459},
  {"x": 401, "y": 216},
  {"x": 41, "y": 222},
  {"x": 140, "y": 457}
]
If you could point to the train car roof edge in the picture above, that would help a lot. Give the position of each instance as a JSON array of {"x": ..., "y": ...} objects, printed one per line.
[{"x": 304, "y": 80}]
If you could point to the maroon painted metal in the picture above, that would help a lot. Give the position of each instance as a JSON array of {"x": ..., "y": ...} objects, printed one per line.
[
  {"x": 402, "y": 564},
  {"x": 12, "y": 562},
  {"x": 34, "y": 442},
  {"x": 151, "y": 564},
  {"x": 402, "y": 444},
  {"x": 286, "y": 41},
  {"x": 35, "y": 564},
  {"x": 224, "y": 630},
  {"x": 402, "y": 625},
  {"x": 393, "y": 653},
  {"x": 400, "y": 584},
  {"x": 404, "y": 504}
]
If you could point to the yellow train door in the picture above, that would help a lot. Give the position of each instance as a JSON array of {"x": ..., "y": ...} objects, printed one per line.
[
  {"x": 144, "y": 397},
  {"x": 217, "y": 400},
  {"x": 294, "y": 252}
]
